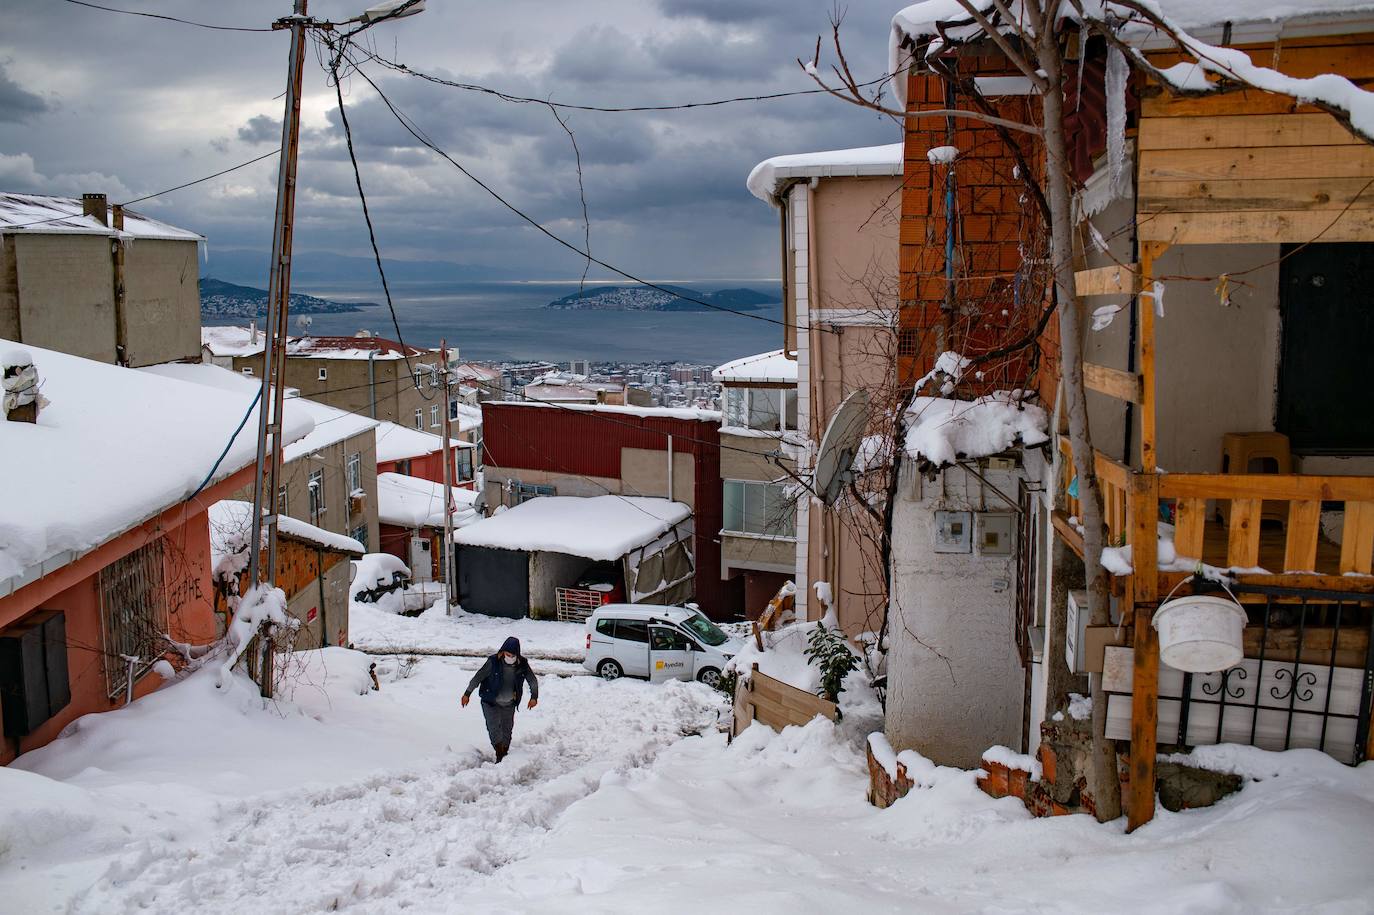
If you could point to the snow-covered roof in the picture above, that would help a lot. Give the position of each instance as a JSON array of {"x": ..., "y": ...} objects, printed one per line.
[
  {"x": 769, "y": 175},
  {"x": 360, "y": 346},
  {"x": 396, "y": 442},
  {"x": 711, "y": 416},
  {"x": 941, "y": 431},
  {"x": 231, "y": 535},
  {"x": 773, "y": 367},
  {"x": 42, "y": 215},
  {"x": 113, "y": 448},
  {"x": 599, "y": 528},
  {"x": 233, "y": 341},
  {"x": 572, "y": 393},
  {"x": 332, "y": 425},
  {"x": 411, "y": 502},
  {"x": 469, "y": 417}
]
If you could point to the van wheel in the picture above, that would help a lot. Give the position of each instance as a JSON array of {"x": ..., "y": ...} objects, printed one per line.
[
  {"x": 609, "y": 670},
  {"x": 710, "y": 676}
]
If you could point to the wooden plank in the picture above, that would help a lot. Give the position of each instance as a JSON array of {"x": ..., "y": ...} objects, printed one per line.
[
  {"x": 1256, "y": 227},
  {"x": 1161, "y": 104},
  {"x": 1350, "y": 587},
  {"x": 1263, "y": 130},
  {"x": 1281, "y": 486},
  {"x": 1226, "y": 195},
  {"x": 1304, "y": 523},
  {"x": 1281, "y": 645},
  {"x": 1067, "y": 532},
  {"x": 1113, "y": 472},
  {"x": 1357, "y": 538},
  {"x": 1351, "y": 59},
  {"x": 1242, "y": 545},
  {"x": 1189, "y": 524},
  {"x": 1140, "y": 799},
  {"x": 1149, "y": 253},
  {"x": 1112, "y": 382},
  {"x": 1275, "y": 162},
  {"x": 1115, "y": 279}
]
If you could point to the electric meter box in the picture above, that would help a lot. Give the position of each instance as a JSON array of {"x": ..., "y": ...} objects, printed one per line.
[
  {"x": 996, "y": 533},
  {"x": 1084, "y": 645},
  {"x": 954, "y": 532}
]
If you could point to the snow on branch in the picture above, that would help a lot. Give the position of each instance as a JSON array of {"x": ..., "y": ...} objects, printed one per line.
[
  {"x": 262, "y": 604},
  {"x": 942, "y": 432}
]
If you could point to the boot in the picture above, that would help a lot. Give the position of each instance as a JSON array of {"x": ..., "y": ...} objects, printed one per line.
[{"x": 501, "y": 750}]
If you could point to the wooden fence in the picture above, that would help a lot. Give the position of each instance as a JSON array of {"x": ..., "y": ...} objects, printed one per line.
[{"x": 761, "y": 698}]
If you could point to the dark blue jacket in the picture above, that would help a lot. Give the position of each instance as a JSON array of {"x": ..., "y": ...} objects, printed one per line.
[{"x": 488, "y": 679}]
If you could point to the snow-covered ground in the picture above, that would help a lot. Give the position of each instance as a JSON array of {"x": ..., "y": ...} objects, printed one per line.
[{"x": 374, "y": 629}]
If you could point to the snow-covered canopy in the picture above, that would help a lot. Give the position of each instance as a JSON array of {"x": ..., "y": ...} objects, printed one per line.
[
  {"x": 231, "y": 535},
  {"x": 113, "y": 448},
  {"x": 397, "y": 443},
  {"x": 411, "y": 502},
  {"x": 233, "y": 341},
  {"x": 770, "y": 175},
  {"x": 332, "y": 425},
  {"x": 942, "y": 431},
  {"x": 40, "y": 215},
  {"x": 601, "y": 528},
  {"x": 362, "y": 345},
  {"x": 774, "y": 367}
]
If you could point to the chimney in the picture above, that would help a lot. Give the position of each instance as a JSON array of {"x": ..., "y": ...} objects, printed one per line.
[
  {"x": 19, "y": 397},
  {"x": 253, "y": 332},
  {"x": 94, "y": 205}
]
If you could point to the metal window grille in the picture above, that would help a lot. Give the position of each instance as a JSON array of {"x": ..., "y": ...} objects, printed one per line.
[
  {"x": 133, "y": 613},
  {"x": 576, "y": 604}
]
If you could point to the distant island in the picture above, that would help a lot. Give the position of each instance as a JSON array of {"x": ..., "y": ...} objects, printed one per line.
[
  {"x": 219, "y": 299},
  {"x": 679, "y": 298}
]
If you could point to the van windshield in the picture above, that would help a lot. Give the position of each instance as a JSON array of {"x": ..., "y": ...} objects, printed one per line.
[{"x": 705, "y": 630}]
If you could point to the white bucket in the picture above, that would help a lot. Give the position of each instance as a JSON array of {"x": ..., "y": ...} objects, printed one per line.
[{"x": 1200, "y": 634}]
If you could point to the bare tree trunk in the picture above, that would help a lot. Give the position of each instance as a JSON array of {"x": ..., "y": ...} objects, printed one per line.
[{"x": 1103, "y": 782}]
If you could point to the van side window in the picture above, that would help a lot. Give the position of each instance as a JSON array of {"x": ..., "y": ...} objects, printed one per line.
[
  {"x": 632, "y": 630},
  {"x": 669, "y": 640},
  {"x": 606, "y": 628}
]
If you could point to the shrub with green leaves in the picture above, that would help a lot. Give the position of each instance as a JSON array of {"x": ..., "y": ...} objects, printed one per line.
[{"x": 828, "y": 650}]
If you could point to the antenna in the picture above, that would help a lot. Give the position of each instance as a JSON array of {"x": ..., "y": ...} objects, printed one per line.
[
  {"x": 303, "y": 323},
  {"x": 839, "y": 445}
]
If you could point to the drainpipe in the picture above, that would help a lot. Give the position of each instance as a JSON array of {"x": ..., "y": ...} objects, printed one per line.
[
  {"x": 324, "y": 616},
  {"x": 670, "y": 468},
  {"x": 120, "y": 311},
  {"x": 372, "y": 384}
]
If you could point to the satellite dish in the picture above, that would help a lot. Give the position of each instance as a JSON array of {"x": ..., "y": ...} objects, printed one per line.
[
  {"x": 303, "y": 323},
  {"x": 839, "y": 446}
]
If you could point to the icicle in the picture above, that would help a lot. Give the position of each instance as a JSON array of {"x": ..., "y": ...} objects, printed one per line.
[
  {"x": 1098, "y": 242},
  {"x": 1117, "y": 75},
  {"x": 1103, "y": 317}
]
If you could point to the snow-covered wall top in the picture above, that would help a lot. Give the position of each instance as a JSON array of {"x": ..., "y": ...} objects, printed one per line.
[
  {"x": 768, "y": 176},
  {"x": 38, "y": 215},
  {"x": 230, "y": 535},
  {"x": 233, "y": 341},
  {"x": 773, "y": 367},
  {"x": 710, "y": 416},
  {"x": 114, "y": 447},
  {"x": 602, "y": 528},
  {"x": 396, "y": 442},
  {"x": 412, "y": 502},
  {"x": 941, "y": 431}
]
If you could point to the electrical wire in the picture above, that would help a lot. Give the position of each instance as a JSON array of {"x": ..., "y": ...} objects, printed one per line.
[
  {"x": 203, "y": 25},
  {"x": 407, "y": 123}
]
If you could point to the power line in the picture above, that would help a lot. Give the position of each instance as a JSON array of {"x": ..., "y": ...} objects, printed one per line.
[
  {"x": 203, "y": 25},
  {"x": 419, "y": 135}
]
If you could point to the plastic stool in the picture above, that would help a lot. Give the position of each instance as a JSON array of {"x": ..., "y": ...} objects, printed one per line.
[{"x": 1256, "y": 452}]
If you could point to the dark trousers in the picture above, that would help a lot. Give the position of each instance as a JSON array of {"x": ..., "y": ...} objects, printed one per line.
[{"x": 500, "y": 723}]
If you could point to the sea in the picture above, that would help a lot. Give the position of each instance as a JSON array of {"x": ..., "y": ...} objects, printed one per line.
[{"x": 507, "y": 321}]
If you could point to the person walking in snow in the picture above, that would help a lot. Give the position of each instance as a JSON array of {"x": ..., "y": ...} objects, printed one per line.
[{"x": 500, "y": 683}]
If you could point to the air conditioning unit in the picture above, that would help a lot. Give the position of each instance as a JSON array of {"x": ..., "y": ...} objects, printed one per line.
[{"x": 1085, "y": 645}]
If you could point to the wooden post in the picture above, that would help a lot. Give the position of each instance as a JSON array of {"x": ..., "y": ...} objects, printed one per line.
[
  {"x": 1150, "y": 251},
  {"x": 1142, "y": 598}
]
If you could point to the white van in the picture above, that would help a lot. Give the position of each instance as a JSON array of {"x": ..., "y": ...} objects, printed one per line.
[{"x": 656, "y": 642}]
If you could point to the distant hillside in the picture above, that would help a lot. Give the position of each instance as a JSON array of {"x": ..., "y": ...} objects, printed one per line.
[
  {"x": 219, "y": 299},
  {"x": 679, "y": 298}
]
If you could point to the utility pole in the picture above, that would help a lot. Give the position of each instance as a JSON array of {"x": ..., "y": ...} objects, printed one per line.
[
  {"x": 268, "y": 474},
  {"x": 450, "y": 585}
]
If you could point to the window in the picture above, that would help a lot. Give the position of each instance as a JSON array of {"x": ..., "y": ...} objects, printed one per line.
[
  {"x": 403, "y": 467},
  {"x": 247, "y": 370},
  {"x": 283, "y": 501},
  {"x": 764, "y": 409},
  {"x": 355, "y": 472},
  {"x": 453, "y": 410},
  {"x": 133, "y": 613},
  {"x": 434, "y": 416},
  {"x": 419, "y": 419},
  {"x": 316, "y": 487},
  {"x": 462, "y": 458},
  {"x": 526, "y": 491},
  {"x": 359, "y": 534},
  {"x": 324, "y": 374},
  {"x": 764, "y": 509},
  {"x": 632, "y": 630},
  {"x": 33, "y": 676},
  {"x": 668, "y": 640},
  {"x": 606, "y": 628}
]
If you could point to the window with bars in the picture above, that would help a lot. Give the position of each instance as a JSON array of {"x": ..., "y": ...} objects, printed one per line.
[
  {"x": 316, "y": 488},
  {"x": 359, "y": 534},
  {"x": 133, "y": 613}
]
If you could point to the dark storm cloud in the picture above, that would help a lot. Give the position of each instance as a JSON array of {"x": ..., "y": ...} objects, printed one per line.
[
  {"x": 665, "y": 190},
  {"x": 17, "y": 104}
]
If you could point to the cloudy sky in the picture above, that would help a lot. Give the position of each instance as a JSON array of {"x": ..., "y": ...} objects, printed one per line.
[{"x": 94, "y": 101}]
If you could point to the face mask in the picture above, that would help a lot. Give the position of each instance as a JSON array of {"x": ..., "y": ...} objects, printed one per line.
[{"x": 509, "y": 659}]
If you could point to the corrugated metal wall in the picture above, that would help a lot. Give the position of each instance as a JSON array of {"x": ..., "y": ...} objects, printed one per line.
[{"x": 588, "y": 442}]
